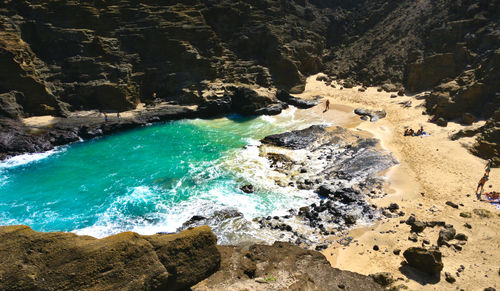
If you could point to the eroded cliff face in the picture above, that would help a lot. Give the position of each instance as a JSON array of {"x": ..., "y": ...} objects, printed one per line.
[
  {"x": 61, "y": 56},
  {"x": 126, "y": 261}
]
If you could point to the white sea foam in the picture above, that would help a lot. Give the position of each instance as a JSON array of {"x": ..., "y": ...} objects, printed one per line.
[{"x": 28, "y": 158}]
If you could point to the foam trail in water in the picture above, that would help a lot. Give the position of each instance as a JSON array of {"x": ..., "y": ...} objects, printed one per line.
[{"x": 28, "y": 158}]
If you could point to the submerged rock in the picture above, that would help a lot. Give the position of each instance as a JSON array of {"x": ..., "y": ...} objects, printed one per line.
[{"x": 126, "y": 261}]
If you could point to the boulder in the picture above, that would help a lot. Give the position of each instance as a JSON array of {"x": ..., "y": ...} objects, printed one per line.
[
  {"x": 425, "y": 260},
  {"x": 446, "y": 235},
  {"x": 418, "y": 226},
  {"x": 388, "y": 87},
  {"x": 126, "y": 261}
]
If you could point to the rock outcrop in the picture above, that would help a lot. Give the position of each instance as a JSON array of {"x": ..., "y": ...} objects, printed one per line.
[
  {"x": 126, "y": 261},
  {"x": 281, "y": 266}
]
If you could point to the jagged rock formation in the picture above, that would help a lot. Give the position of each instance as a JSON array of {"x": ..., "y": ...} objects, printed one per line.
[
  {"x": 281, "y": 266},
  {"x": 126, "y": 261},
  {"x": 60, "y": 56}
]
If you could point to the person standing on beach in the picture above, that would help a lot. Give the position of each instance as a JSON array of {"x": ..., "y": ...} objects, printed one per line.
[
  {"x": 118, "y": 115},
  {"x": 105, "y": 117},
  {"x": 327, "y": 105}
]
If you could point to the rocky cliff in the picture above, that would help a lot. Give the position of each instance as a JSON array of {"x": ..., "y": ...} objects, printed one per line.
[
  {"x": 126, "y": 261},
  {"x": 57, "y": 57},
  {"x": 129, "y": 261}
]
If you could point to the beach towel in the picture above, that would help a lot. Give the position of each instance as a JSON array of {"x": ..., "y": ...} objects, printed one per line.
[{"x": 493, "y": 198}]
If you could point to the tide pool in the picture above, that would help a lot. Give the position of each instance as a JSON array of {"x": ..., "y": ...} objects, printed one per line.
[{"x": 148, "y": 180}]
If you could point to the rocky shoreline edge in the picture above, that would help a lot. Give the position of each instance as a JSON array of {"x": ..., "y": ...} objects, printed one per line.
[
  {"x": 339, "y": 166},
  {"x": 20, "y": 138}
]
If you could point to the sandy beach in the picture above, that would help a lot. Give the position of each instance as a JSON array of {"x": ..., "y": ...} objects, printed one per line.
[{"x": 432, "y": 170}]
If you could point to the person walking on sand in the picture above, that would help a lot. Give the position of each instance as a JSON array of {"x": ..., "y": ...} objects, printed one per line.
[
  {"x": 327, "y": 105},
  {"x": 481, "y": 185},
  {"x": 488, "y": 167}
]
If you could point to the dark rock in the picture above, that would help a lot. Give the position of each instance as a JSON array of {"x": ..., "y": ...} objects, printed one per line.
[
  {"x": 449, "y": 278},
  {"x": 393, "y": 207},
  {"x": 383, "y": 278},
  {"x": 123, "y": 261},
  {"x": 376, "y": 248},
  {"x": 396, "y": 252},
  {"x": 321, "y": 247},
  {"x": 446, "y": 235},
  {"x": 413, "y": 237},
  {"x": 418, "y": 226},
  {"x": 466, "y": 214},
  {"x": 248, "y": 188},
  {"x": 467, "y": 225},
  {"x": 295, "y": 101},
  {"x": 9, "y": 106},
  {"x": 350, "y": 219},
  {"x": 387, "y": 87},
  {"x": 411, "y": 219},
  {"x": 435, "y": 223},
  {"x": 374, "y": 115},
  {"x": 297, "y": 139},
  {"x": 442, "y": 122},
  {"x": 467, "y": 118},
  {"x": 425, "y": 260},
  {"x": 451, "y": 204},
  {"x": 461, "y": 236}
]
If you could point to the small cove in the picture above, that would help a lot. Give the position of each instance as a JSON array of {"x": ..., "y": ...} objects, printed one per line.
[{"x": 150, "y": 179}]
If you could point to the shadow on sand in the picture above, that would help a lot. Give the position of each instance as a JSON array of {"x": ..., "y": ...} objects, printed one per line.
[{"x": 419, "y": 276}]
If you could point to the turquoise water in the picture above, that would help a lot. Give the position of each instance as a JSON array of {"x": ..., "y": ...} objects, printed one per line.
[{"x": 146, "y": 180}]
